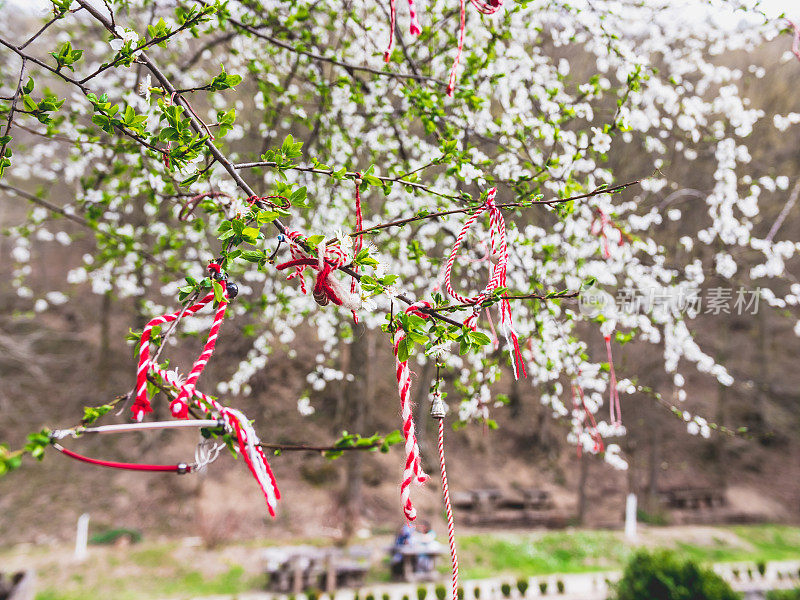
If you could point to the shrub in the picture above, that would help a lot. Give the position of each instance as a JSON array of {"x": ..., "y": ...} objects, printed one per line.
[
  {"x": 654, "y": 518},
  {"x": 370, "y": 597},
  {"x": 560, "y": 586},
  {"x": 385, "y": 597},
  {"x": 312, "y": 594},
  {"x": 505, "y": 589},
  {"x": 784, "y": 594},
  {"x": 477, "y": 593},
  {"x": 522, "y": 586},
  {"x": 440, "y": 591},
  {"x": 422, "y": 592},
  {"x": 762, "y": 567},
  {"x": 663, "y": 576},
  {"x": 112, "y": 536},
  {"x": 460, "y": 593},
  {"x": 543, "y": 587}
]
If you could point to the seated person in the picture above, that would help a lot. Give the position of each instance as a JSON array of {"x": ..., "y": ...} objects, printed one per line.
[
  {"x": 404, "y": 538},
  {"x": 425, "y": 538}
]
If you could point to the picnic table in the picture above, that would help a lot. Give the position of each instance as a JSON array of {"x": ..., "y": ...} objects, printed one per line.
[
  {"x": 693, "y": 498},
  {"x": 412, "y": 559},
  {"x": 296, "y": 569},
  {"x": 492, "y": 506}
]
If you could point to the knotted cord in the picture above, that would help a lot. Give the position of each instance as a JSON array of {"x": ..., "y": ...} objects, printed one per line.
[
  {"x": 487, "y": 8},
  {"x": 412, "y": 471},
  {"x": 327, "y": 288},
  {"x": 497, "y": 278},
  {"x": 235, "y": 422}
]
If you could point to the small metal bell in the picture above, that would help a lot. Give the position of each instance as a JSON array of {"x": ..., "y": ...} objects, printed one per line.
[
  {"x": 438, "y": 407},
  {"x": 321, "y": 297}
]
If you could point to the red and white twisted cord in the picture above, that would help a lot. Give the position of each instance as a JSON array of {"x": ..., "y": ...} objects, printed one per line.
[
  {"x": 247, "y": 439},
  {"x": 413, "y": 27},
  {"x": 141, "y": 405},
  {"x": 497, "y": 278},
  {"x": 235, "y": 421},
  {"x": 487, "y": 8},
  {"x": 328, "y": 258},
  {"x": 451, "y": 531},
  {"x": 451, "y": 84},
  {"x": 412, "y": 471},
  {"x": 180, "y": 406}
]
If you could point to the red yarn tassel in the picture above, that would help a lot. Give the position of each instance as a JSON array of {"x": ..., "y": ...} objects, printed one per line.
[
  {"x": 392, "y": 20},
  {"x": 451, "y": 85}
]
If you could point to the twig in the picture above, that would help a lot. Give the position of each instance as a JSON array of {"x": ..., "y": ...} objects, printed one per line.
[
  {"x": 504, "y": 206},
  {"x": 532, "y": 296},
  {"x": 77, "y": 219},
  {"x": 784, "y": 212},
  {"x": 306, "y": 448},
  {"x": 13, "y": 107},
  {"x": 318, "y": 57},
  {"x": 224, "y": 161},
  {"x": 350, "y": 175}
]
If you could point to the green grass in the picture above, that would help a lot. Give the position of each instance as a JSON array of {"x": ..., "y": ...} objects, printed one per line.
[
  {"x": 166, "y": 570},
  {"x": 179, "y": 585},
  {"x": 584, "y": 551},
  {"x": 521, "y": 554}
]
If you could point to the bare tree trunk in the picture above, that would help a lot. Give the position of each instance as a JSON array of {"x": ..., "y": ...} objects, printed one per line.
[
  {"x": 103, "y": 362},
  {"x": 654, "y": 467},
  {"x": 358, "y": 394},
  {"x": 722, "y": 398}
]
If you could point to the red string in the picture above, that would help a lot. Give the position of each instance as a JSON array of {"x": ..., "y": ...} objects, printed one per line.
[
  {"x": 497, "y": 278},
  {"x": 392, "y": 19},
  {"x": 451, "y": 85},
  {"x": 359, "y": 241},
  {"x": 120, "y": 465},
  {"x": 796, "y": 40},
  {"x": 577, "y": 394}
]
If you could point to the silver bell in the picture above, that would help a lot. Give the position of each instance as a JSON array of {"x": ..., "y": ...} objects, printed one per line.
[{"x": 438, "y": 407}]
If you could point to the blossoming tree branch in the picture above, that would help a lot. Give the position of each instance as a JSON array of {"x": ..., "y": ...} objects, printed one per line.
[{"x": 459, "y": 175}]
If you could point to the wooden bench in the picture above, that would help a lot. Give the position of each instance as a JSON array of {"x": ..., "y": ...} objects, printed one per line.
[{"x": 297, "y": 569}]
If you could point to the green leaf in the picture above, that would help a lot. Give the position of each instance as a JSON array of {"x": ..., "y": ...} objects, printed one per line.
[
  {"x": 253, "y": 255},
  {"x": 219, "y": 295}
]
